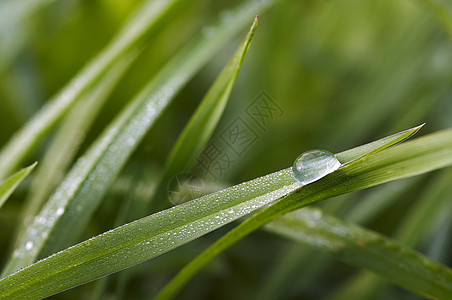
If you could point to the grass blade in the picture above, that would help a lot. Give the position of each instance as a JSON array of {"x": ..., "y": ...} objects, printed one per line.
[
  {"x": 408, "y": 159},
  {"x": 441, "y": 12},
  {"x": 413, "y": 228},
  {"x": 378, "y": 145},
  {"x": 204, "y": 120},
  {"x": 8, "y": 186},
  {"x": 69, "y": 138},
  {"x": 24, "y": 141},
  {"x": 367, "y": 249},
  {"x": 151, "y": 236},
  {"x": 69, "y": 209},
  {"x": 13, "y": 15}
]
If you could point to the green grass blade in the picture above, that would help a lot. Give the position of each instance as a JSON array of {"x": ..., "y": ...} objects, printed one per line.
[
  {"x": 13, "y": 15},
  {"x": 143, "y": 239},
  {"x": 69, "y": 138},
  {"x": 150, "y": 236},
  {"x": 8, "y": 186},
  {"x": 418, "y": 222},
  {"x": 378, "y": 145},
  {"x": 69, "y": 209},
  {"x": 359, "y": 209},
  {"x": 203, "y": 122},
  {"x": 408, "y": 159},
  {"x": 366, "y": 249},
  {"x": 441, "y": 12},
  {"x": 24, "y": 141},
  {"x": 414, "y": 226},
  {"x": 286, "y": 271}
]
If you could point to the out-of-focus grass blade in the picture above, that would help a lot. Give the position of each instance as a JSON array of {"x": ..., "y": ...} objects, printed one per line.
[
  {"x": 441, "y": 12},
  {"x": 288, "y": 264},
  {"x": 364, "y": 212},
  {"x": 367, "y": 249},
  {"x": 69, "y": 209},
  {"x": 408, "y": 159},
  {"x": 413, "y": 228},
  {"x": 68, "y": 139},
  {"x": 13, "y": 14},
  {"x": 8, "y": 186},
  {"x": 148, "y": 237},
  {"x": 418, "y": 222},
  {"x": 203, "y": 122},
  {"x": 356, "y": 209},
  {"x": 366, "y": 284},
  {"x": 24, "y": 141}
]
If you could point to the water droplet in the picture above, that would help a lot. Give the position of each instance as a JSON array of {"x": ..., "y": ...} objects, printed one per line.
[
  {"x": 59, "y": 211},
  {"x": 312, "y": 165},
  {"x": 29, "y": 245}
]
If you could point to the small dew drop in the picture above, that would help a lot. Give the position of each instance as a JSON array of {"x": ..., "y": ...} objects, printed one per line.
[
  {"x": 59, "y": 211},
  {"x": 312, "y": 165},
  {"x": 29, "y": 245}
]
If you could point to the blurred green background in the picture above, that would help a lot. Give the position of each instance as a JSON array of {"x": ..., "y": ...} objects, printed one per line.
[{"x": 342, "y": 73}]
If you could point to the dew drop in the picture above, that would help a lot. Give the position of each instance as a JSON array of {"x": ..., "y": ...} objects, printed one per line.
[
  {"x": 59, "y": 211},
  {"x": 312, "y": 165},
  {"x": 29, "y": 245}
]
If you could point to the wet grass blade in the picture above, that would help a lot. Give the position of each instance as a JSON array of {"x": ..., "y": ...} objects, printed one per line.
[
  {"x": 25, "y": 140},
  {"x": 366, "y": 249},
  {"x": 154, "y": 235},
  {"x": 69, "y": 209},
  {"x": 69, "y": 138},
  {"x": 8, "y": 186},
  {"x": 408, "y": 159}
]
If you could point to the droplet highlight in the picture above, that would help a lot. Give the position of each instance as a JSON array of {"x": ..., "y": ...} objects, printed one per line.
[
  {"x": 29, "y": 245},
  {"x": 312, "y": 165}
]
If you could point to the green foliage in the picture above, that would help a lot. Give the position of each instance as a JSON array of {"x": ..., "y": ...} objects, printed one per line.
[
  {"x": 361, "y": 170},
  {"x": 8, "y": 185},
  {"x": 118, "y": 103},
  {"x": 366, "y": 249}
]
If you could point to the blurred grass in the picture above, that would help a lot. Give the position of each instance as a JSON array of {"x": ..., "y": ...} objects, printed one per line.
[{"x": 349, "y": 72}]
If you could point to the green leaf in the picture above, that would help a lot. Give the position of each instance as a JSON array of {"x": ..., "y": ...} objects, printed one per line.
[
  {"x": 8, "y": 185},
  {"x": 25, "y": 140},
  {"x": 408, "y": 159},
  {"x": 154, "y": 235},
  {"x": 203, "y": 122},
  {"x": 69, "y": 209},
  {"x": 366, "y": 249}
]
